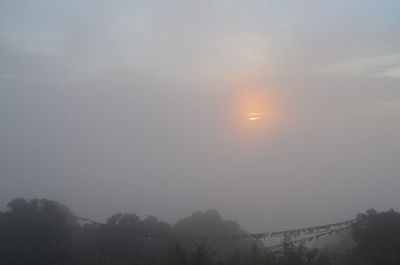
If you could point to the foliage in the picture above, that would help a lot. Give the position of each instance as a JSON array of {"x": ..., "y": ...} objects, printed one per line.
[
  {"x": 44, "y": 232},
  {"x": 36, "y": 232},
  {"x": 378, "y": 237}
]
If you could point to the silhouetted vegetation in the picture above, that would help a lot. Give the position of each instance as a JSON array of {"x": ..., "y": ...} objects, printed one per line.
[
  {"x": 378, "y": 237},
  {"x": 45, "y": 232},
  {"x": 36, "y": 232}
]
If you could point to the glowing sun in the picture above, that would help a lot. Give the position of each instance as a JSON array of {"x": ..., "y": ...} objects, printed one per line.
[
  {"x": 254, "y": 116},
  {"x": 256, "y": 108}
]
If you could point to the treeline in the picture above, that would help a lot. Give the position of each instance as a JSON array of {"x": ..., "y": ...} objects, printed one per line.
[{"x": 45, "y": 232}]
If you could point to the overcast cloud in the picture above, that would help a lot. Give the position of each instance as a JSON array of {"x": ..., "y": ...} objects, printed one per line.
[{"x": 129, "y": 106}]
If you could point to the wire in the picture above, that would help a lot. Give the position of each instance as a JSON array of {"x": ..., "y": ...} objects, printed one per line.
[
  {"x": 303, "y": 240},
  {"x": 326, "y": 229}
]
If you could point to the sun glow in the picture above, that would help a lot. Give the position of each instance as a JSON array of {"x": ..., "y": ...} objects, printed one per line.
[
  {"x": 253, "y": 116},
  {"x": 256, "y": 110}
]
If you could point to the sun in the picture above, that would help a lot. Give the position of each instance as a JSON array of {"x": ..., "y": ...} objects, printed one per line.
[
  {"x": 256, "y": 109},
  {"x": 254, "y": 116}
]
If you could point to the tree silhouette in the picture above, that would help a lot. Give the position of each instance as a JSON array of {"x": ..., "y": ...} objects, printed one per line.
[
  {"x": 378, "y": 236},
  {"x": 36, "y": 232}
]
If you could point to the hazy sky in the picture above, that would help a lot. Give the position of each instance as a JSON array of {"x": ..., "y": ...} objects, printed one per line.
[{"x": 143, "y": 106}]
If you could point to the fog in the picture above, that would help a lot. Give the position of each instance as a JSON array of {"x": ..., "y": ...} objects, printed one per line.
[{"x": 140, "y": 106}]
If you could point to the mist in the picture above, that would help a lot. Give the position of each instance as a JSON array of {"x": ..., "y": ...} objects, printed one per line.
[{"x": 140, "y": 106}]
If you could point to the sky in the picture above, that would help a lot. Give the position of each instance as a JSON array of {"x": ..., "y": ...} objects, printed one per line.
[{"x": 278, "y": 114}]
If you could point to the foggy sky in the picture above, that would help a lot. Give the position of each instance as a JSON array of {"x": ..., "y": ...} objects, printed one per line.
[{"x": 129, "y": 106}]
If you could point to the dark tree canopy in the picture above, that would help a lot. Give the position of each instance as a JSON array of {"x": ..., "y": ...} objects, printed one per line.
[
  {"x": 35, "y": 232},
  {"x": 378, "y": 236},
  {"x": 45, "y": 232}
]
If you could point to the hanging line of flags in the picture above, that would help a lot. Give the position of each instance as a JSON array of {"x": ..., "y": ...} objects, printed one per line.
[
  {"x": 303, "y": 231},
  {"x": 293, "y": 233},
  {"x": 306, "y": 239}
]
